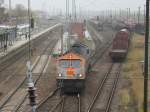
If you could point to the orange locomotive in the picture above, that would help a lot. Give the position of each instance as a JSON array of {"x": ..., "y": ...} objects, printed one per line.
[{"x": 72, "y": 68}]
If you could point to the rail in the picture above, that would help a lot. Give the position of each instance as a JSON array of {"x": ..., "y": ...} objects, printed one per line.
[
  {"x": 101, "y": 86},
  {"x": 19, "y": 51},
  {"x": 23, "y": 82}
]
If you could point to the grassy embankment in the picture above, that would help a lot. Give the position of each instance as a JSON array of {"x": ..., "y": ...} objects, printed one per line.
[{"x": 131, "y": 95}]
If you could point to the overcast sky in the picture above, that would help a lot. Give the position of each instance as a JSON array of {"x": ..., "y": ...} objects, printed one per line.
[{"x": 96, "y": 5}]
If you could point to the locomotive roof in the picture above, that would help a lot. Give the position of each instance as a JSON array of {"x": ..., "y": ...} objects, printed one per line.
[
  {"x": 80, "y": 44},
  {"x": 124, "y": 29}
]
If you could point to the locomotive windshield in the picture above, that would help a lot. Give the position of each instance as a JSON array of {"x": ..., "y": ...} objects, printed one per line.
[
  {"x": 64, "y": 63},
  {"x": 75, "y": 63},
  {"x": 70, "y": 63}
]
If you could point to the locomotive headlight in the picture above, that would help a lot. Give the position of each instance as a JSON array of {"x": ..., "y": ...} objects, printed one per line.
[
  {"x": 80, "y": 75},
  {"x": 60, "y": 75}
]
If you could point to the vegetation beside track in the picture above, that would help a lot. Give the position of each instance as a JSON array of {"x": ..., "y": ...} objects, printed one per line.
[{"x": 131, "y": 96}]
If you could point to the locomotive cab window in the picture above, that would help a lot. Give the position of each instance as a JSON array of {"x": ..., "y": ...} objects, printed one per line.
[
  {"x": 64, "y": 63},
  {"x": 75, "y": 63},
  {"x": 70, "y": 63}
]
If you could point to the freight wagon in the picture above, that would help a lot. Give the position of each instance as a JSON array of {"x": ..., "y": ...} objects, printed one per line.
[{"x": 120, "y": 45}]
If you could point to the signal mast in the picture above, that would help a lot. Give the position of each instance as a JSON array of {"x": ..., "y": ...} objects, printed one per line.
[{"x": 31, "y": 88}]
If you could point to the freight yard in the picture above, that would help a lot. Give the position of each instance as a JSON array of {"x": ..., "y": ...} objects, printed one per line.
[{"x": 73, "y": 61}]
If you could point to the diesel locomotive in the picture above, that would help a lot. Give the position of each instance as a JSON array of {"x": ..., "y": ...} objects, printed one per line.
[{"x": 72, "y": 68}]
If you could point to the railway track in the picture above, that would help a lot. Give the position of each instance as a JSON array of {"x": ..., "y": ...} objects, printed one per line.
[
  {"x": 12, "y": 77},
  {"x": 16, "y": 64},
  {"x": 59, "y": 103},
  {"x": 75, "y": 102},
  {"x": 113, "y": 91},
  {"x": 14, "y": 59},
  {"x": 100, "y": 50},
  {"x": 45, "y": 105},
  {"x": 38, "y": 76},
  {"x": 20, "y": 90},
  {"x": 111, "y": 78},
  {"x": 101, "y": 95}
]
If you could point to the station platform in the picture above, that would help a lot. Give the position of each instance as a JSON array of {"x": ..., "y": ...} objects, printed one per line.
[{"x": 22, "y": 41}]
